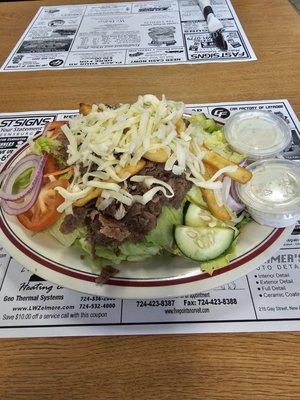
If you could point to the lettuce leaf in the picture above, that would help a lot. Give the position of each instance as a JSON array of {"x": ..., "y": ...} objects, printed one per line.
[
  {"x": 125, "y": 252},
  {"x": 138, "y": 251},
  {"x": 209, "y": 125},
  {"x": 162, "y": 234},
  {"x": 214, "y": 138},
  {"x": 45, "y": 145},
  {"x": 221, "y": 261},
  {"x": 154, "y": 243},
  {"x": 216, "y": 141},
  {"x": 105, "y": 252},
  {"x": 22, "y": 181},
  {"x": 65, "y": 239},
  {"x": 245, "y": 221}
]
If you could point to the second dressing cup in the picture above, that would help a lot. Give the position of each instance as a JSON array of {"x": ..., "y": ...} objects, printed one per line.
[
  {"x": 272, "y": 196},
  {"x": 257, "y": 134}
]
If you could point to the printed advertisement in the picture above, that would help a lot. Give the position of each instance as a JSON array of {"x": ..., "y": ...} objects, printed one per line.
[{"x": 126, "y": 34}]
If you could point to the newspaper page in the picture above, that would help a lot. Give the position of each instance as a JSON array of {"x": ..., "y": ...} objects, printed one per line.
[
  {"x": 267, "y": 299},
  {"x": 126, "y": 34}
]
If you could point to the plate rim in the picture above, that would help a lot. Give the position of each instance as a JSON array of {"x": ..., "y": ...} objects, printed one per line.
[
  {"x": 141, "y": 292},
  {"x": 134, "y": 288},
  {"x": 46, "y": 262}
]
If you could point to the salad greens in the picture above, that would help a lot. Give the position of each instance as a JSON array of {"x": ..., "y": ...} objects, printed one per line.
[
  {"x": 221, "y": 261},
  {"x": 22, "y": 180},
  {"x": 159, "y": 239},
  {"x": 162, "y": 235},
  {"x": 214, "y": 138},
  {"x": 65, "y": 239},
  {"x": 45, "y": 145}
]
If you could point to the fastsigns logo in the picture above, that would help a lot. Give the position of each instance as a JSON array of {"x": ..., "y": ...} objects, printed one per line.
[{"x": 13, "y": 122}]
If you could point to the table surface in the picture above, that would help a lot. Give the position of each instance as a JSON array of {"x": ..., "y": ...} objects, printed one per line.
[{"x": 207, "y": 366}]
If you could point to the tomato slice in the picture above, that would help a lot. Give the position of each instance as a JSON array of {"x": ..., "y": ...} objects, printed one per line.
[
  {"x": 50, "y": 166},
  {"x": 44, "y": 212}
]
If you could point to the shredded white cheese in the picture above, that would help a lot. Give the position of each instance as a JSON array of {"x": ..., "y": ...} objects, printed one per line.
[
  {"x": 218, "y": 197},
  {"x": 120, "y": 213},
  {"x": 116, "y": 138},
  {"x": 230, "y": 168},
  {"x": 149, "y": 181}
]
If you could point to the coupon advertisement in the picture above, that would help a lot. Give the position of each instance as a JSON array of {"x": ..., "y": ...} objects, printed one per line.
[{"x": 127, "y": 34}]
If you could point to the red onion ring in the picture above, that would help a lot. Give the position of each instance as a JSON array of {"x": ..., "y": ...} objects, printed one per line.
[
  {"x": 3, "y": 175},
  {"x": 234, "y": 205},
  {"x": 27, "y": 197},
  {"x": 27, "y": 162},
  {"x": 23, "y": 205},
  {"x": 233, "y": 193},
  {"x": 227, "y": 197},
  {"x": 233, "y": 200}
]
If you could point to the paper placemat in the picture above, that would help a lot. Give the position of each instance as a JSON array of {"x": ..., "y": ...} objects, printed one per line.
[
  {"x": 267, "y": 299},
  {"x": 126, "y": 34}
]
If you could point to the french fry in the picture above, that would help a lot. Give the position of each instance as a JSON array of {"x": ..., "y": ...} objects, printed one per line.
[
  {"x": 85, "y": 109},
  {"x": 215, "y": 160},
  {"x": 131, "y": 169},
  {"x": 209, "y": 172},
  {"x": 217, "y": 211},
  {"x": 95, "y": 192},
  {"x": 180, "y": 126},
  {"x": 159, "y": 156}
]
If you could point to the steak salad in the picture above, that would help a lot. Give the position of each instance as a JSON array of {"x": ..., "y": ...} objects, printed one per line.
[{"x": 131, "y": 181}]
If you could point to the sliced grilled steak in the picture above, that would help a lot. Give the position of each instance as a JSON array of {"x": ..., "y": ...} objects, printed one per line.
[
  {"x": 75, "y": 220},
  {"x": 111, "y": 210},
  {"x": 106, "y": 230},
  {"x": 178, "y": 182},
  {"x": 113, "y": 229},
  {"x": 105, "y": 274},
  {"x": 139, "y": 219}
]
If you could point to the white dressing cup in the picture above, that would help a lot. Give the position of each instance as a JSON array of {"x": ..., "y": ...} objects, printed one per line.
[
  {"x": 257, "y": 134},
  {"x": 272, "y": 196}
]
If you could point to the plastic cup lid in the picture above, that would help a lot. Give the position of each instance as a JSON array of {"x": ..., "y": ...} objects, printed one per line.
[
  {"x": 274, "y": 187},
  {"x": 256, "y": 133}
]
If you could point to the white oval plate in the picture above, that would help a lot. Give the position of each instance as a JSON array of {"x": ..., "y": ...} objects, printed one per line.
[{"x": 162, "y": 276}]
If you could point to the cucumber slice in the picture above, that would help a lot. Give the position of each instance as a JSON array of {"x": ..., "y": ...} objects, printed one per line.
[
  {"x": 194, "y": 195},
  {"x": 203, "y": 243},
  {"x": 197, "y": 216}
]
